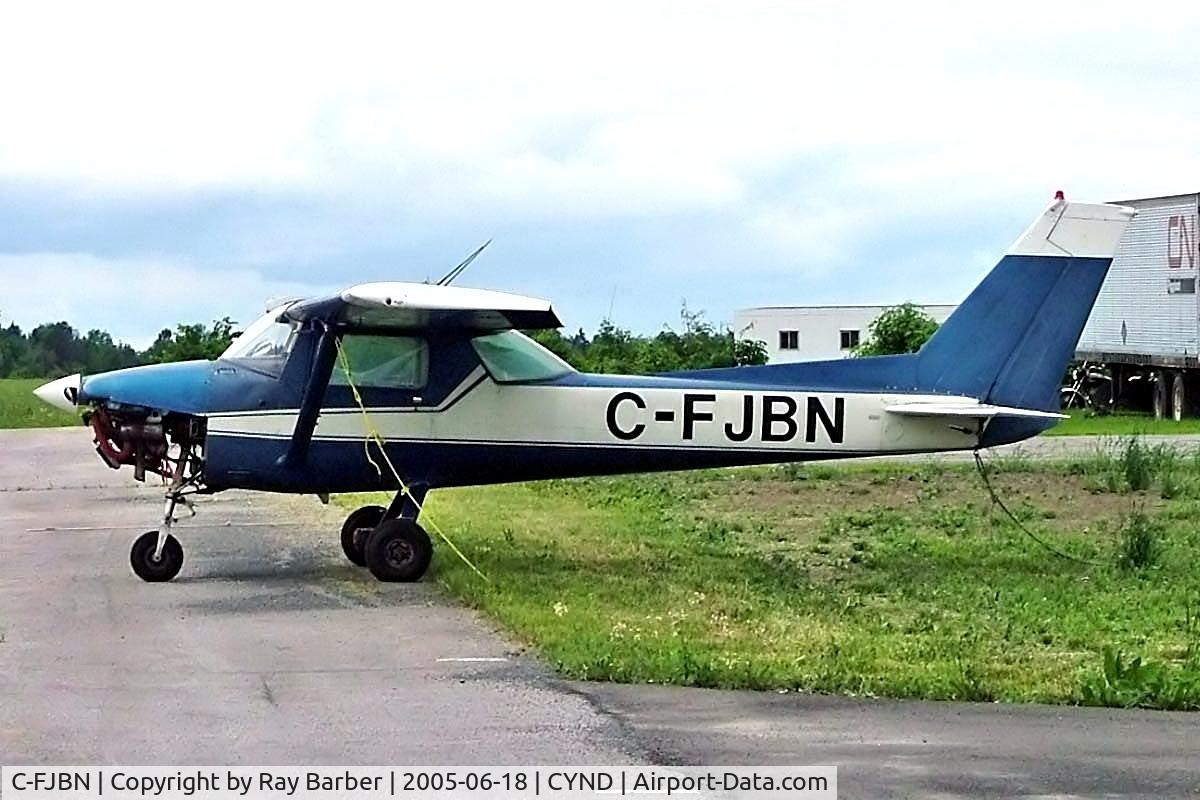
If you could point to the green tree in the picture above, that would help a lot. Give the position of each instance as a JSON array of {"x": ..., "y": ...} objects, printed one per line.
[
  {"x": 190, "y": 342},
  {"x": 13, "y": 349},
  {"x": 900, "y": 329},
  {"x": 553, "y": 340},
  {"x": 698, "y": 345},
  {"x": 747, "y": 352},
  {"x": 102, "y": 354},
  {"x": 56, "y": 349}
]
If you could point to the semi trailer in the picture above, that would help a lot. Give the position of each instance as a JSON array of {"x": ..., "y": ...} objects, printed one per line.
[{"x": 1140, "y": 348}]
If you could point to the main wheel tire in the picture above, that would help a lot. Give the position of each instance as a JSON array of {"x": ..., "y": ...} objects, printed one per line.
[
  {"x": 1159, "y": 395},
  {"x": 1100, "y": 397},
  {"x": 146, "y": 567},
  {"x": 398, "y": 550},
  {"x": 1178, "y": 398},
  {"x": 356, "y": 529}
]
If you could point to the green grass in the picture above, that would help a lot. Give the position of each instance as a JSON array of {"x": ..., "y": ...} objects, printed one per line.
[
  {"x": 895, "y": 581},
  {"x": 20, "y": 409},
  {"x": 1126, "y": 423}
]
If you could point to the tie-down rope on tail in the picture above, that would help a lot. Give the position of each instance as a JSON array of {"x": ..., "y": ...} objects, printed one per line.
[
  {"x": 987, "y": 484},
  {"x": 374, "y": 435}
]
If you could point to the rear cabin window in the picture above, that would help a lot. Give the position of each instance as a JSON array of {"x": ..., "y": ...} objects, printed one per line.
[
  {"x": 383, "y": 362},
  {"x": 511, "y": 356}
]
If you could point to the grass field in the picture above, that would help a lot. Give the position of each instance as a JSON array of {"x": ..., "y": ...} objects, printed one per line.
[
  {"x": 1126, "y": 423},
  {"x": 883, "y": 580},
  {"x": 20, "y": 409}
]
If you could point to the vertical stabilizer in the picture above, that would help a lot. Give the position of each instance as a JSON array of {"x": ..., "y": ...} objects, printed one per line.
[{"x": 1011, "y": 339}]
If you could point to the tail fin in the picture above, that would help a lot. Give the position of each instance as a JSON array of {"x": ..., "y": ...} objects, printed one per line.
[{"x": 1011, "y": 339}]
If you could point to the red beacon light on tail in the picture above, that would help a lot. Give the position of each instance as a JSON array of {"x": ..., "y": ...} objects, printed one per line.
[{"x": 1059, "y": 195}]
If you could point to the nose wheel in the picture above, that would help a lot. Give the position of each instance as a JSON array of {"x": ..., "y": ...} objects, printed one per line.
[
  {"x": 157, "y": 556},
  {"x": 152, "y": 565}
]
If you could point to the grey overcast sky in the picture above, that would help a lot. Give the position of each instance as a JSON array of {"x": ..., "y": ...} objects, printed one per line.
[{"x": 168, "y": 162}]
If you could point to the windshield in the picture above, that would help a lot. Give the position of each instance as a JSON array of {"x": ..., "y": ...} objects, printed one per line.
[
  {"x": 512, "y": 356},
  {"x": 267, "y": 340}
]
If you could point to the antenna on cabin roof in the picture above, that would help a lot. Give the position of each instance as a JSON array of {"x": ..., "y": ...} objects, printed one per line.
[{"x": 449, "y": 277}]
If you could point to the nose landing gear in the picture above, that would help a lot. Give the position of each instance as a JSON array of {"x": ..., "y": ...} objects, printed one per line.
[
  {"x": 157, "y": 556},
  {"x": 152, "y": 565}
]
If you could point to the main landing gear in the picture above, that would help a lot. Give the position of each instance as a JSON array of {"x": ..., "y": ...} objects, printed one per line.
[
  {"x": 389, "y": 542},
  {"x": 357, "y": 527}
]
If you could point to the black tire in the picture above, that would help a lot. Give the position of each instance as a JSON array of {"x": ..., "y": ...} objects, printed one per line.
[
  {"x": 398, "y": 550},
  {"x": 1158, "y": 400},
  {"x": 1100, "y": 397},
  {"x": 141, "y": 558},
  {"x": 1178, "y": 398},
  {"x": 356, "y": 529}
]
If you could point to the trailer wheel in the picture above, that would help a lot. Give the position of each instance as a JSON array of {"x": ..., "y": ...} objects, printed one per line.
[
  {"x": 1159, "y": 394},
  {"x": 1100, "y": 397},
  {"x": 1178, "y": 397}
]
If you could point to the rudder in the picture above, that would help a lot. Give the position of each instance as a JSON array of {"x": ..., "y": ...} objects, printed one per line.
[{"x": 1011, "y": 339}]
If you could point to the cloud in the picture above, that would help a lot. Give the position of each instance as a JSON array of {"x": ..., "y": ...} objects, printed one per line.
[
  {"x": 536, "y": 100},
  {"x": 133, "y": 300}
]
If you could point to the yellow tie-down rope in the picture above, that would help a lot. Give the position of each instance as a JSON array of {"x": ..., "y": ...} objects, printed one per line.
[{"x": 373, "y": 434}]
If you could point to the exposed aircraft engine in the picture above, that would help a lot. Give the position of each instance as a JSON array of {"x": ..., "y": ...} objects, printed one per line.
[{"x": 170, "y": 445}]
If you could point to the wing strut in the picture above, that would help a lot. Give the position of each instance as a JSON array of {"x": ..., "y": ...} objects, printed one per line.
[{"x": 310, "y": 405}]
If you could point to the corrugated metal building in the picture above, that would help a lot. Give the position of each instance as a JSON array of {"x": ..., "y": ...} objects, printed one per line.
[{"x": 813, "y": 333}]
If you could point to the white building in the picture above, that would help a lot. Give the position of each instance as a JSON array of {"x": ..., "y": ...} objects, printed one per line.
[{"x": 813, "y": 333}]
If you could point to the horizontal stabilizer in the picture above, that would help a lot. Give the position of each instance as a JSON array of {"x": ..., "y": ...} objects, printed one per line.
[{"x": 968, "y": 410}]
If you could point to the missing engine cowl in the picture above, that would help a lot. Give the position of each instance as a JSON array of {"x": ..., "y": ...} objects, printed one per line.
[{"x": 167, "y": 444}]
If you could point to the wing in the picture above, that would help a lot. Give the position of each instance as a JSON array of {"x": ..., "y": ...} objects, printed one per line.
[{"x": 423, "y": 306}]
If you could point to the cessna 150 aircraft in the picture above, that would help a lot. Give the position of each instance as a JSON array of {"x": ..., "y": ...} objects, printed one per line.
[{"x": 439, "y": 383}]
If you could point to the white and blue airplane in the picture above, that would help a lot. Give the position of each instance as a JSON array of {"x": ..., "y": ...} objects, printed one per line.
[{"x": 410, "y": 387}]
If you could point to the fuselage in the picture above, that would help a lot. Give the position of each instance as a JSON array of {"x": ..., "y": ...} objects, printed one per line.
[
  {"x": 486, "y": 432},
  {"x": 461, "y": 423}
]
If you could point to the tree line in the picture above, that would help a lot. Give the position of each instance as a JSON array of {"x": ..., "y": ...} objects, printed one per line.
[
  {"x": 699, "y": 345},
  {"x": 57, "y": 348}
]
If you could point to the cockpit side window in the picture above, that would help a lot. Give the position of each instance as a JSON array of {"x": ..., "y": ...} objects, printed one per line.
[{"x": 383, "y": 362}]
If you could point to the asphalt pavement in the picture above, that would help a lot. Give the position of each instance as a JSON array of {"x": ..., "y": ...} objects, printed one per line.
[
  {"x": 909, "y": 749},
  {"x": 271, "y": 649}
]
